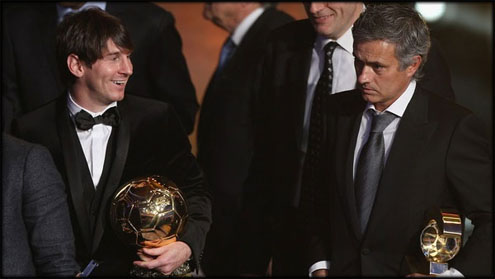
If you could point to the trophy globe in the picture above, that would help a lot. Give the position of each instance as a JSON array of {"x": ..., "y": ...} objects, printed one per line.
[{"x": 148, "y": 212}]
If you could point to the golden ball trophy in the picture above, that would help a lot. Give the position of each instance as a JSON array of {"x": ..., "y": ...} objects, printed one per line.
[
  {"x": 149, "y": 212},
  {"x": 441, "y": 239}
]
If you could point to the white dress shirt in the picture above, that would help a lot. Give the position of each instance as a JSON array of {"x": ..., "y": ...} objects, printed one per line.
[
  {"x": 344, "y": 74},
  {"x": 93, "y": 141}
]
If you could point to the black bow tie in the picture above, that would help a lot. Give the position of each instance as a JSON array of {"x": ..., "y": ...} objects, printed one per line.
[{"x": 85, "y": 121}]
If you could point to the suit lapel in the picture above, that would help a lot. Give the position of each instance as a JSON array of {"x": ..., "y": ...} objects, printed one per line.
[
  {"x": 410, "y": 140},
  {"x": 115, "y": 174},
  {"x": 69, "y": 148}
]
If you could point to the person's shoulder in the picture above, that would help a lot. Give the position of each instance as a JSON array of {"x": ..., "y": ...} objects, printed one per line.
[
  {"x": 348, "y": 96},
  {"x": 14, "y": 147},
  {"x": 10, "y": 143},
  {"x": 442, "y": 109},
  {"x": 440, "y": 103},
  {"x": 294, "y": 29},
  {"x": 277, "y": 16},
  {"x": 346, "y": 102},
  {"x": 296, "y": 33},
  {"x": 41, "y": 113},
  {"x": 144, "y": 104}
]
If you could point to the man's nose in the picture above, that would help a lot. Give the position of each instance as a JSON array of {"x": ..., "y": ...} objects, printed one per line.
[
  {"x": 363, "y": 75},
  {"x": 126, "y": 66}
]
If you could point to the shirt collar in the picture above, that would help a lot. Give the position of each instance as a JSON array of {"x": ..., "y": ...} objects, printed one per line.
[
  {"x": 345, "y": 41},
  {"x": 62, "y": 11},
  {"x": 399, "y": 106},
  {"x": 245, "y": 24},
  {"x": 75, "y": 108}
]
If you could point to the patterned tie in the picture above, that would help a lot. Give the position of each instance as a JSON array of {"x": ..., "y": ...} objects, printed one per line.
[
  {"x": 370, "y": 166},
  {"x": 311, "y": 176},
  {"x": 227, "y": 51}
]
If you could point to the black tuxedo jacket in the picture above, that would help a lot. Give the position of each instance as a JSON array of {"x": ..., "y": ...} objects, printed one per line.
[
  {"x": 439, "y": 159},
  {"x": 149, "y": 140},
  {"x": 280, "y": 112},
  {"x": 225, "y": 139},
  {"x": 30, "y": 75}
]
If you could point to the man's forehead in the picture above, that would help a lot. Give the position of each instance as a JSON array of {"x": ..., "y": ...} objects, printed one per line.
[
  {"x": 374, "y": 51},
  {"x": 111, "y": 48},
  {"x": 374, "y": 46}
]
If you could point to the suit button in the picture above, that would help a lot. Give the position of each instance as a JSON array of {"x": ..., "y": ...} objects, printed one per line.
[{"x": 365, "y": 251}]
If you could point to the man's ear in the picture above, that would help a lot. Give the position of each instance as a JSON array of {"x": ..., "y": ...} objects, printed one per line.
[
  {"x": 75, "y": 65},
  {"x": 411, "y": 69}
]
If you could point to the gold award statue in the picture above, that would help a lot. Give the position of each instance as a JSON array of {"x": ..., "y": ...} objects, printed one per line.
[
  {"x": 441, "y": 240},
  {"x": 149, "y": 212}
]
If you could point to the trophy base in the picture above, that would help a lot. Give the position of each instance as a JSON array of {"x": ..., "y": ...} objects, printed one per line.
[
  {"x": 438, "y": 268},
  {"x": 183, "y": 270}
]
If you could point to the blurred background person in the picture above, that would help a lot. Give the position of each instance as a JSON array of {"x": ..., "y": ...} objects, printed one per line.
[
  {"x": 225, "y": 131},
  {"x": 37, "y": 237},
  {"x": 30, "y": 76}
]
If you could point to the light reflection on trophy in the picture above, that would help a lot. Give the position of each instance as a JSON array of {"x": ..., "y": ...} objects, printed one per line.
[
  {"x": 149, "y": 212},
  {"x": 441, "y": 240}
]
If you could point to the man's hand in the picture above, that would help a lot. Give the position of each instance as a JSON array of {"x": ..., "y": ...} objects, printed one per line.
[
  {"x": 320, "y": 273},
  {"x": 166, "y": 258}
]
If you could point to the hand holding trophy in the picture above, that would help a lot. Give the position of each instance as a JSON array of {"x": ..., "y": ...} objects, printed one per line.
[{"x": 149, "y": 212}]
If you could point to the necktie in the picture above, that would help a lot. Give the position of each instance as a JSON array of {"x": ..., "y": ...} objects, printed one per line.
[
  {"x": 311, "y": 175},
  {"x": 227, "y": 51},
  {"x": 85, "y": 121},
  {"x": 370, "y": 166}
]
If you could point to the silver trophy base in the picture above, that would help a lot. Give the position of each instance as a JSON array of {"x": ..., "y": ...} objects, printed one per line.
[{"x": 438, "y": 268}]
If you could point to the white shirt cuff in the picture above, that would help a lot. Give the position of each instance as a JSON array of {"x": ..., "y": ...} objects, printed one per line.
[{"x": 319, "y": 265}]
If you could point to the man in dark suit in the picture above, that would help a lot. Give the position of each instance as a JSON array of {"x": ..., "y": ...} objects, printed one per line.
[
  {"x": 292, "y": 68},
  {"x": 31, "y": 79},
  {"x": 385, "y": 176},
  {"x": 37, "y": 237},
  {"x": 128, "y": 137},
  {"x": 225, "y": 133}
]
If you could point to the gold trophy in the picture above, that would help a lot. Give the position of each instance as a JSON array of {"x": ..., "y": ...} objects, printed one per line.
[
  {"x": 149, "y": 212},
  {"x": 441, "y": 239}
]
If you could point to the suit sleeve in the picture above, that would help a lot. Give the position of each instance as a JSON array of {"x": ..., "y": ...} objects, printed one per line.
[
  {"x": 46, "y": 216},
  {"x": 188, "y": 176},
  {"x": 170, "y": 74},
  {"x": 469, "y": 169}
]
